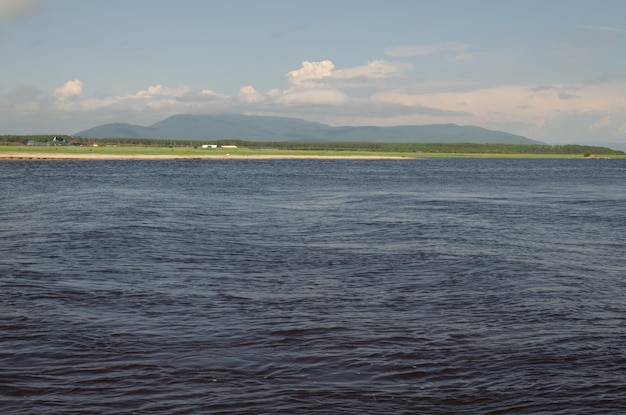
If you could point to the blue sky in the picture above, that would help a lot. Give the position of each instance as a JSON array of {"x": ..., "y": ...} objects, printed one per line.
[{"x": 554, "y": 71}]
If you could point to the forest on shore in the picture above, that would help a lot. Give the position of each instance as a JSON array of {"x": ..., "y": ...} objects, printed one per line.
[{"x": 380, "y": 147}]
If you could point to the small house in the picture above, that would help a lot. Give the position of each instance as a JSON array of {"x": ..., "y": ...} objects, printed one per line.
[{"x": 58, "y": 141}]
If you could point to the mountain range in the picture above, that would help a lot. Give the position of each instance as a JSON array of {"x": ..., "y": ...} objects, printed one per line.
[{"x": 265, "y": 128}]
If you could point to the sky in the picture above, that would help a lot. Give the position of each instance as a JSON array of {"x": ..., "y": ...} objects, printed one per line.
[{"x": 550, "y": 70}]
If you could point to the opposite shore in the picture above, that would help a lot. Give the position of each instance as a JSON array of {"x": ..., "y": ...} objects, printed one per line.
[{"x": 193, "y": 153}]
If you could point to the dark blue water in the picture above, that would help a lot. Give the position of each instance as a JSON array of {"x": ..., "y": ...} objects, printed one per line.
[{"x": 313, "y": 287}]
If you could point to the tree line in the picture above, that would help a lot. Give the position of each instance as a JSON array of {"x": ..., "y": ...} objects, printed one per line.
[
  {"x": 450, "y": 148},
  {"x": 465, "y": 148}
]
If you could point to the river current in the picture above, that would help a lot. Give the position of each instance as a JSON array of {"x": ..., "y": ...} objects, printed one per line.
[{"x": 435, "y": 286}]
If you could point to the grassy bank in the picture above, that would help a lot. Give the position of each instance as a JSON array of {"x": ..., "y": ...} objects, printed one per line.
[{"x": 192, "y": 152}]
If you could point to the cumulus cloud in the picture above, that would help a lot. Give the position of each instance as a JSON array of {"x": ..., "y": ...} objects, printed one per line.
[
  {"x": 19, "y": 9},
  {"x": 29, "y": 110},
  {"x": 375, "y": 69},
  {"x": 319, "y": 83},
  {"x": 425, "y": 49},
  {"x": 310, "y": 71},
  {"x": 164, "y": 100},
  {"x": 71, "y": 88},
  {"x": 250, "y": 95},
  {"x": 546, "y": 113},
  {"x": 211, "y": 94},
  {"x": 312, "y": 74},
  {"x": 379, "y": 92},
  {"x": 159, "y": 91},
  {"x": 326, "y": 97},
  {"x": 310, "y": 89}
]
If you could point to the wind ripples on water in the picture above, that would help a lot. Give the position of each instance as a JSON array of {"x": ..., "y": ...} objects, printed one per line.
[{"x": 313, "y": 286}]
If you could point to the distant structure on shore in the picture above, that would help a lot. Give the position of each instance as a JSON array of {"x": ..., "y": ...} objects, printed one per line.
[{"x": 216, "y": 146}]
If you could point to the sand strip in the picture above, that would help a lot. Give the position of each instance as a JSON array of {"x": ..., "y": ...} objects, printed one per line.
[{"x": 66, "y": 156}]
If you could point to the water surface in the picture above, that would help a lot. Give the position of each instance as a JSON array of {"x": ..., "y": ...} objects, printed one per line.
[{"x": 313, "y": 286}]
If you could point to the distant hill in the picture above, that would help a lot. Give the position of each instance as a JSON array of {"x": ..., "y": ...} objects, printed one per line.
[{"x": 262, "y": 128}]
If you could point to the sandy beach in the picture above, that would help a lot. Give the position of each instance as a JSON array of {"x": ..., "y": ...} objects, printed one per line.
[{"x": 65, "y": 156}]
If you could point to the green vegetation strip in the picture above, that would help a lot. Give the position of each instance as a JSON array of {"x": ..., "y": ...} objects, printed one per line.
[
  {"x": 191, "y": 148},
  {"x": 250, "y": 152},
  {"x": 194, "y": 152}
]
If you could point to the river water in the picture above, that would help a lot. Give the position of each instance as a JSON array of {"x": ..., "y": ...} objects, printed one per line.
[{"x": 435, "y": 286}]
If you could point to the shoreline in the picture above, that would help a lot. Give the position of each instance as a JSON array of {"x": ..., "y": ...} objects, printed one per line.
[{"x": 66, "y": 156}]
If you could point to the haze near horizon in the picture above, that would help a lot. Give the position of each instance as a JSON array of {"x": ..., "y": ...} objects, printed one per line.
[{"x": 553, "y": 71}]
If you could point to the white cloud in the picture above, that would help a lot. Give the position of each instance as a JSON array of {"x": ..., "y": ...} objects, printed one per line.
[
  {"x": 211, "y": 94},
  {"x": 323, "y": 75},
  {"x": 372, "y": 70},
  {"x": 378, "y": 92},
  {"x": 326, "y": 97},
  {"x": 250, "y": 95},
  {"x": 319, "y": 83},
  {"x": 427, "y": 49},
  {"x": 571, "y": 113},
  {"x": 310, "y": 71},
  {"x": 71, "y": 88},
  {"x": 305, "y": 89},
  {"x": 19, "y": 9},
  {"x": 159, "y": 91},
  {"x": 158, "y": 96},
  {"x": 30, "y": 111},
  {"x": 274, "y": 92}
]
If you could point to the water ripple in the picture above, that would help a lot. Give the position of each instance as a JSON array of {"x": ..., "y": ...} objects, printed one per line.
[{"x": 440, "y": 286}]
